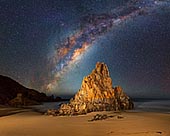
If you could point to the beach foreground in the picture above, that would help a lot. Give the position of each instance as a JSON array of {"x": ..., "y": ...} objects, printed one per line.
[{"x": 131, "y": 123}]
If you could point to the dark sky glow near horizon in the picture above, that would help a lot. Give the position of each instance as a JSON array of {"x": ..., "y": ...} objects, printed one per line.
[{"x": 136, "y": 50}]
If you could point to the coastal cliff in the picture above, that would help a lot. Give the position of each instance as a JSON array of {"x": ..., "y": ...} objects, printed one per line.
[{"x": 14, "y": 94}]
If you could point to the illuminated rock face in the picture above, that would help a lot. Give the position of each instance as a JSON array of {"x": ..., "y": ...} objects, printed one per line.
[{"x": 97, "y": 94}]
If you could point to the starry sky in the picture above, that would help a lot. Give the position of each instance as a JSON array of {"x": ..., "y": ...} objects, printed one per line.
[{"x": 51, "y": 45}]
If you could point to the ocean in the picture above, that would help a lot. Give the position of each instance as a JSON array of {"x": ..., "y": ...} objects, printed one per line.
[
  {"x": 141, "y": 105},
  {"x": 153, "y": 105}
]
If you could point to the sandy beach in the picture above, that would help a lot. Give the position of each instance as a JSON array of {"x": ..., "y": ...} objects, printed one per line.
[{"x": 30, "y": 123}]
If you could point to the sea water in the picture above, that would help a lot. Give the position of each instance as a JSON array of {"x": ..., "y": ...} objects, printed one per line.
[
  {"x": 47, "y": 105},
  {"x": 150, "y": 105},
  {"x": 144, "y": 105}
]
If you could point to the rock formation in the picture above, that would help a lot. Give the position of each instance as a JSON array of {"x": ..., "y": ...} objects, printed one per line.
[
  {"x": 10, "y": 88},
  {"x": 96, "y": 94},
  {"x": 20, "y": 101}
]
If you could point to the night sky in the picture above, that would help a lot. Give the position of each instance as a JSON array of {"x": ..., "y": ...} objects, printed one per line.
[{"x": 50, "y": 45}]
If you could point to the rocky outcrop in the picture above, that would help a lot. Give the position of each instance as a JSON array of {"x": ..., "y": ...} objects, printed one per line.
[
  {"x": 10, "y": 88},
  {"x": 20, "y": 101},
  {"x": 96, "y": 94}
]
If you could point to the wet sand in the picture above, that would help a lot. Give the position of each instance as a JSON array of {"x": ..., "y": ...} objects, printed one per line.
[
  {"x": 30, "y": 123},
  {"x": 6, "y": 111}
]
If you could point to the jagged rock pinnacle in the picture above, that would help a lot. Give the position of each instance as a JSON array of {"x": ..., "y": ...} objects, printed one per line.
[{"x": 96, "y": 94}]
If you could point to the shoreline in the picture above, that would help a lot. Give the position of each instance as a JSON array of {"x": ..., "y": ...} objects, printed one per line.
[{"x": 7, "y": 110}]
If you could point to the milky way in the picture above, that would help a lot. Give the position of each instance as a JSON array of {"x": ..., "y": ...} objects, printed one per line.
[
  {"x": 51, "y": 45},
  {"x": 93, "y": 26}
]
